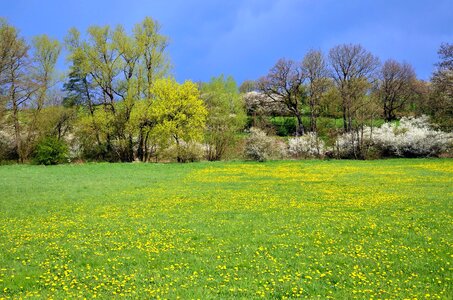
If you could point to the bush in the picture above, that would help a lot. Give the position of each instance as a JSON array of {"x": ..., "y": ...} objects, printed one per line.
[
  {"x": 50, "y": 151},
  {"x": 184, "y": 152},
  {"x": 347, "y": 145},
  {"x": 259, "y": 146},
  {"x": 306, "y": 146},
  {"x": 414, "y": 137},
  {"x": 284, "y": 126}
]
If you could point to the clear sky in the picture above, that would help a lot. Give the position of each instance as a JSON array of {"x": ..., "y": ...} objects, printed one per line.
[{"x": 245, "y": 38}]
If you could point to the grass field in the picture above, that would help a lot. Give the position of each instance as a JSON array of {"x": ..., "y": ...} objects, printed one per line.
[{"x": 291, "y": 229}]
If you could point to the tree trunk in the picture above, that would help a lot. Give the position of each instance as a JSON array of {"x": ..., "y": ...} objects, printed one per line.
[
  {"x": 17, "y": 142},
  {"x": 130, "y": 149},
  {"x": 344, "y": 97},
  {"x": 345, "y": 121},
  {"x": 313, "y": 126},
  {"x": 300, "y": 125},
  {"x": 140, "y": 148},
  {"x": 178, "y": 154}
]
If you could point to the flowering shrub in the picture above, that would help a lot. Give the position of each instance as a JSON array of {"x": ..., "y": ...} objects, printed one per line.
[
  {"x": 308, "y": 145},
  {"x": 348, "y": 144},
  {"x": 413, "y": 137},
  {"x": 7, "y": 151},
  {"x": 259, "y": 146}
]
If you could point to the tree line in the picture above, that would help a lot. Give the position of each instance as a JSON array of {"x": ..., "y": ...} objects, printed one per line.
[
  {"x": 351, "y": 82},
  {"x": 118, "y": 101}
]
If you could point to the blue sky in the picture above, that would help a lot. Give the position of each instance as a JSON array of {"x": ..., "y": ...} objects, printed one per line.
[{"x": 245, "y": 38}]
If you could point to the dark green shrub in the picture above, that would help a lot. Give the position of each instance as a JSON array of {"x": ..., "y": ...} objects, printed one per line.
[
  {"x": 284, "y": 126},
  {"x": 50, "y": 151}
]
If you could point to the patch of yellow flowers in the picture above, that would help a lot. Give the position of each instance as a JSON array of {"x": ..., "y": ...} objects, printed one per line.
[{"x": 279, "y": 230}]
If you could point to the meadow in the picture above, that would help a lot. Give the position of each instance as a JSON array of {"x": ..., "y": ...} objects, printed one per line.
[{"x": 288, "y": 229}]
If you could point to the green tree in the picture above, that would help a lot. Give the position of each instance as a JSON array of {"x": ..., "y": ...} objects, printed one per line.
[
  {"x": 179, "y": 113},
  {"x": 50, "y": 151},
  {"x": 111, "y": 71},
  {"x": 154, "y": 61},
  {"x": 226, "y": 115},
  {"x": 26, "y": 76},
  {"x": 15, "y": 83},
  {"x": 42, "y": 78}
]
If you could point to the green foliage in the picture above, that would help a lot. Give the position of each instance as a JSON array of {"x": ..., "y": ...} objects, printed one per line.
[
  {"x": 92, "y": 132},
  {"x": 50, "y": 151},
  {"x": 25, "y": 79},
  {"x": 56, "y": 121},
  {"x": 46, "y": 52},
  {"x": 121, "y": 108},
  {"x": 226, "y": 115},
  {"x": 112, "y": 72},
  {"x": 178, "y": 111},
  {"x": 174, "y": 114},
  {"x": 284, "y": 126}
]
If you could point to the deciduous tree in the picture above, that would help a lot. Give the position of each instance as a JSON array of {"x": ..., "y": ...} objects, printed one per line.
[
  {"x": 314, "y": 67},
  {"x": 442, "y": 88},
  {"x": 396, "y": 87},
  {"x": 15, "y": 84},
  {"x": 351, "y": 66},
  {"x": 226, "y": 115},
  {"x": 284, "y": 84},
  {"x": 26, "y": 77},
  {"x": 179, "y": 113},
  {"x": 112, "y": 70}
]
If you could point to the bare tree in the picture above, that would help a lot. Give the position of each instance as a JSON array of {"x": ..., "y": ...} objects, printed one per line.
[
  {"x": 41, "y": 74},
  {"x": 15, "y": 83},
  {"x": 396, "y": 87},
  {"x": 446, "y": 57},
  {"x": 8, "y": 40},
  {"x": 25, "y": 79},
  {"x": 351, "y": 66},
  {"x": 442, "y": 82},
  {"x": 314, "y": 67},
  {"x": 247, "y": 86},
  {"x": 284, "y": 84}
]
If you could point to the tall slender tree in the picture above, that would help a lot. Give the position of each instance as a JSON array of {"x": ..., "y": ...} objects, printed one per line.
[
  {"x": 441, "y": 102},
  {"x": 15, "y": 83},
  {"x": 42, "y": 71},
  {"x": 226, "y": 115},
  {"x": 112, "y": 70},
  {"x": 314, "y": 67}
]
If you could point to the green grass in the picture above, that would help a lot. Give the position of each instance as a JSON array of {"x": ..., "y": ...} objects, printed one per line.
[{"x": 341, "y": 229}]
